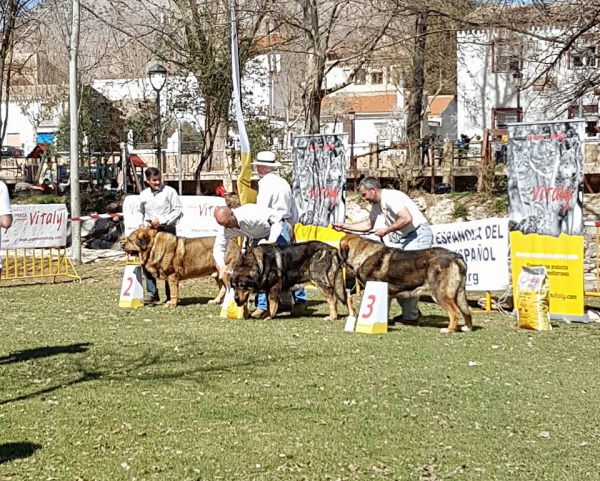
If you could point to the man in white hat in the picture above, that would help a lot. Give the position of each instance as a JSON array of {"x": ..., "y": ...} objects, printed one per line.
[{"x": 274, "y": 192}]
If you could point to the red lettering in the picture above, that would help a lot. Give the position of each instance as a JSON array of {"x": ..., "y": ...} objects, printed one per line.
[
  {"x": 324, "y": 193},
  {"x": 554, "y": 194}
]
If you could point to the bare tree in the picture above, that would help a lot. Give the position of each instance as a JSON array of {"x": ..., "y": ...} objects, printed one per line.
[
  {"x": 18, "y": 23},
  {"x": 193, "y": 37},
  {"x": 330, "y": 34},
  {"x": 415, "y": 104}
]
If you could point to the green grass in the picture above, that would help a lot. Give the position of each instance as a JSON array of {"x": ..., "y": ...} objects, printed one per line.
[{"x": 103, "y": 393}]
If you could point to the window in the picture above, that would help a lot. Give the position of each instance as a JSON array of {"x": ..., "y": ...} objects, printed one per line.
[
  {"x": 376, "y": 78},
  {"x": 360, "y": 77},
  {"x": 591, "y": 129},
  {"x": 13, "y": 140},
  {"x": 383, "y": 130},
  {"x": 589, "y": 109},
  {"x": 581, "y": 57},
  {"x": 506, "y": 55},
  {"x": 545, "y": 84},
  {"x": 501, "y": 117}
]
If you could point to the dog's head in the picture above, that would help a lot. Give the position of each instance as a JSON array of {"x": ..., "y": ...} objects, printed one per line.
[
  {"x": 139, "y": 241},
  {"x": 246, "y": 275}
]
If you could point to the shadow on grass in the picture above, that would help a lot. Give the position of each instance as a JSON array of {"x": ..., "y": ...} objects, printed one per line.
[
  {"x": 436, "y": 322},
  {"x": 42, "y": 352},
  {"x": 86, "y": 376},
  {"x": 188, "y": 301},
  {"x": 148, "y": 367},
  {"x": 12, "y": 451}
]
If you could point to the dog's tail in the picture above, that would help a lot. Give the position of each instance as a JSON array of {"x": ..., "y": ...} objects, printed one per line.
[{"x": 461, "y": 293}]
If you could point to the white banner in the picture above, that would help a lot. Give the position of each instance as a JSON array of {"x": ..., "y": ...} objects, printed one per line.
[
  {"x": 197, "y": 221},
  {"x": 484, "y": 246},
  {"x": 36, "y": 226}
]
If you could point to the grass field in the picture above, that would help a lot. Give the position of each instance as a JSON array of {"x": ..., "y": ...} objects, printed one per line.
[{"x": 89, "y": 391}]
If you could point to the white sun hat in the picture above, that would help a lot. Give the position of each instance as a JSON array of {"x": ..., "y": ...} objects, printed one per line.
[{"x": 266, "y": 159}]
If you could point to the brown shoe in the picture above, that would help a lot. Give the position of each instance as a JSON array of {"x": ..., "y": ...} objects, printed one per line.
[
  {"x": 259, "y": 314},
  {"x": 299, "y": 309},
  {"x": 150, "y": 300}
]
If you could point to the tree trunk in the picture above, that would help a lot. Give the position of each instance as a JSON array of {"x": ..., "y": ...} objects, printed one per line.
[
  {"x": 415, "y": 104},
  {"x": 315, "y": 68}
]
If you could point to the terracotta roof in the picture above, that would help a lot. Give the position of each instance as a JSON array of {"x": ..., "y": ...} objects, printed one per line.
[
  {"x": 438, "y": 104},
  {"x": 361, "y": 103},
  {"x": 268, "y": 41}
]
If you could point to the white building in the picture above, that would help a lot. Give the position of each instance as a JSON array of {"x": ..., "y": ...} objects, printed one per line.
[
  {"x": 380, "y": 110},
  {"x": 505, "y": 77}
]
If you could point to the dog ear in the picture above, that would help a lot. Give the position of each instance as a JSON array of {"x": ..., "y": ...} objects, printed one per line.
[
  {"x": 259, "y": 258},
  {"x": 142, "y": 241},
  {"x": 343, "y": 250}
]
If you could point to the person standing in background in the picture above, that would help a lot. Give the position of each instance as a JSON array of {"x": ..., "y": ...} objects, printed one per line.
[{"x": 160, "y": 208}]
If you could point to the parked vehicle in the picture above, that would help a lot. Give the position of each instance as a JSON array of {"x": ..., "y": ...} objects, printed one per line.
[{"x": 8, "y": 151}]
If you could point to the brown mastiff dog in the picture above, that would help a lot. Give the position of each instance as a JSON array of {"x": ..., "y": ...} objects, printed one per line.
[
  {"x": 174, "y": 259},
  {"x": 410, "y": 273}
]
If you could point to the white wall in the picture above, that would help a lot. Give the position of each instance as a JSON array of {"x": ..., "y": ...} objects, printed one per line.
[
  {"x": 480, "y": 90},
  {"x": 19, "y": 122}
]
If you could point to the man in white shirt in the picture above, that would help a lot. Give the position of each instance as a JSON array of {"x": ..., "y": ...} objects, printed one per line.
[
  {"x": 274, "y": 192},
  {"x": 260, "y": 225},
  {"x": 6, "y": 217},
  {"x": 405, "y": 228},
  {"x": 160, "y": 208}
]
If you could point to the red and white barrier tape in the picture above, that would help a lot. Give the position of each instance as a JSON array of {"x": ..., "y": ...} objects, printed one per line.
[
  {"x": 591, "y": 223},
  {"x": 95, "y": 217}
]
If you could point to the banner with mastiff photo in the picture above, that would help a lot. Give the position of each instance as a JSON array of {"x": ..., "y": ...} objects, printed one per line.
[
  {"x": 197, "y": 221},
  {"x": 484, "y": 247},
  {"x": 545, "y": 191},
  {"x": 36, "y": 226},
  {"x": 319, "y": 178}
]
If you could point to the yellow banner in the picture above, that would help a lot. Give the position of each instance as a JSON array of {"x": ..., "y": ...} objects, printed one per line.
[
  {"x": 563, "y": 258},
  {"x": 306, "y": 233},
  {"x": 245, "y": 191}
]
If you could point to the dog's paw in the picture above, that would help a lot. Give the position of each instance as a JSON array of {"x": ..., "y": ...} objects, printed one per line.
[
  {"x": 465, "y": 329},
  {"x": 445, "y": 330},
  {"x": 329, "y": 318},
  {"x": 214, "y": 301},
  {"x": 170, "y": 304}
]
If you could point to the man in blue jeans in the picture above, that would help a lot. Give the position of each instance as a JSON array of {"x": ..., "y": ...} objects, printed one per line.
[
  {"x": 405, "y": 228},
  {"x": 274, "y": 192},
  {"x": 160, "y": 208}
]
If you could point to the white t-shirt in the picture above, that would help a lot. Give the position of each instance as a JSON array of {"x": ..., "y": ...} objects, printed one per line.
[
  {"x": 392, "y": 202},
  {"x": 4, "y": 208}
]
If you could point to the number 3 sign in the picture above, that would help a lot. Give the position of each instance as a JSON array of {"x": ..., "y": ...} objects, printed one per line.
[
  {"x": 132, "y": 292},
  {"x": 373, "y": 313}
]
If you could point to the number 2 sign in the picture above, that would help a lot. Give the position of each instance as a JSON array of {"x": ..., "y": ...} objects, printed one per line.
[
  {"x": 132, "y": 292},
  {"x": 373, "y": 313}
]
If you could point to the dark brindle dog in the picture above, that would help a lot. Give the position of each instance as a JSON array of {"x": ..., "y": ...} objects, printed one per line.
[
  {"x": 276, "y": 268},
  {"x": 411, "y": 273}
]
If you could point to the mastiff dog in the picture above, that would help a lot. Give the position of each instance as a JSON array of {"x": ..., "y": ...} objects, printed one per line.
[
  {"x": 437, "y": 271},
  {"x": 276, "y": 268},
  {"x": 174, "y": 259}
]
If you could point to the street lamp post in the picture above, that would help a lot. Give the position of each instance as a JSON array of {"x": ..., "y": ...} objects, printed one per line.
[
  {"x": 351, "y": 118},
  {"x": 158, "y": 77}
]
